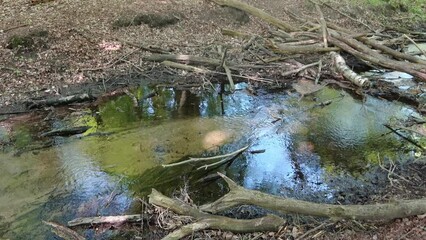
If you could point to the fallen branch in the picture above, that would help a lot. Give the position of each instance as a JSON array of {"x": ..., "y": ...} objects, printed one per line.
[
  {"x": 291, "y": 72},
  {"x": 59, "y": 101},
  {"x": 206, "y": 71},
  {"x": 65, "y": 132},
  {"x": 294, "y": 49},
  {"x": 209, "y": 221},
  {"x": 256, "y": 12},
  {"x": 415, "y": 44},
  {"x": 387, "y": 63},
  {"x": 376, "y": 212},
  {"x": 106, "y": 219},
  {"x": 189, "y": 59},
  {"x": 391, "y": 52},
  {"x": 64, "y": 232},
  {"x": 350, "y": 75},
  {"x": 207, "y": 158}
]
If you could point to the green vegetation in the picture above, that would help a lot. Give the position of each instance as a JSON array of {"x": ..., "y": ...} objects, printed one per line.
[
  {"x": 417, "y": 7},
  {"x": 29, "y": 42}
]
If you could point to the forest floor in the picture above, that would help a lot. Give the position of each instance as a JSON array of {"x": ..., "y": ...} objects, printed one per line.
[{"x": 53, "y": 47}]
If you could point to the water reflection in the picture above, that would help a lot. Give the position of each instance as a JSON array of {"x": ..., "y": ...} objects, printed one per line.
[{"x": 99, "y": 175}]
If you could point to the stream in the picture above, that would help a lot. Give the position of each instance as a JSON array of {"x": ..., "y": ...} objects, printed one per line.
[{"x": 297, "y": 148}]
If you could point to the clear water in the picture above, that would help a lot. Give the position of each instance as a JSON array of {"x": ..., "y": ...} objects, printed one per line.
[{"x": 101, "y": 171}]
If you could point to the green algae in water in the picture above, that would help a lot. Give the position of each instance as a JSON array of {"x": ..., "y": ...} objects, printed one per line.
[{"x": 349, "y": 134}]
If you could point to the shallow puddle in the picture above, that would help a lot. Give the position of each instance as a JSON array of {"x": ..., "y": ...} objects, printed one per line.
[{"x": 297, "y": 149}]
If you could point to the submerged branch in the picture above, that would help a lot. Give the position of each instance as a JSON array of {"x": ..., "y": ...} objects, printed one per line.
[{"x": 207, "y": 158}]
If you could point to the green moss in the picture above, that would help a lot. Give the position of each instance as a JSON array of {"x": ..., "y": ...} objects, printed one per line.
[
  {"x": 417, "y": 7},
  {"x": 152, "y": 20},
  {"x": 16, "y": 42},
  {"x": 28, "y": 42},
  {"x": 22, "y": 138}
]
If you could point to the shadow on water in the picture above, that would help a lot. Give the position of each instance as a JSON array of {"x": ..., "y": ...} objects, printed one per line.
[{"x": 305, "y": 151}]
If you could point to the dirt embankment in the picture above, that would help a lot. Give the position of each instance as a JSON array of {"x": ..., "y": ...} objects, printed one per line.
[{"x": 45, "y": 48}]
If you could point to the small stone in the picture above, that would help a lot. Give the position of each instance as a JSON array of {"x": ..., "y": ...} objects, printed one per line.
[{"x": 228, "y": 236}]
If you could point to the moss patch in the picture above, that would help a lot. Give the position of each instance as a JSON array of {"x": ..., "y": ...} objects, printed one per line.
[
  {"x": 153, "y": 20},
  {"x": 28, "y": 42}
]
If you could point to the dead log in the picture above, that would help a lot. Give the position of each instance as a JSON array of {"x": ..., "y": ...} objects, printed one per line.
[
  {"x": 305, "y": 49},
  {"x": 391, "y": 52},
  {"x": 106, "y": 219},
  {"x": 257, "y": 13},
  {"x": 386, "y": 63},
  {"x": 375, "y": 212},
  {"x": 365, "y": 50},
  {"x": 208, "y": 221},
  {"x": 65, "y": 132},
  {"x": 350, "y": 75},
  {"x": 59, "y": 101}
]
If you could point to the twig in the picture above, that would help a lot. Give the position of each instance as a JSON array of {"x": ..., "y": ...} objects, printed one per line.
[
  {"x": 64, "y": 232},
  {"x": 205, "y": 71},
  {"x": 391, "y": 171},
  {"x": 403, "y": 137},
  {"x": 415, "y": 44},
  {"x": 206, "y": 158},
  {"x": 112, "y": 195},
  {"x": 323, "y": 25},
  {"x": 346, "y": 15},
  {"x": 313, "y": 230},
  {"x": 112, "y": 62},
  {"x": 12, "y": 28},
  {"x": 410, "y": 130},
  {"x": 300, "y": 69},
  {"x": 319, "y": 72},
  {"x": 217, "y": 163},
  {"x": 227, "y": 71}
]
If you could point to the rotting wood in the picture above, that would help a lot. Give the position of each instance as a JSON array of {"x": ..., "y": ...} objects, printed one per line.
[
  {"x": 256, "y": 12},
  {"x": 374, "y": 212},
  {"x": 208, "y": 221}
]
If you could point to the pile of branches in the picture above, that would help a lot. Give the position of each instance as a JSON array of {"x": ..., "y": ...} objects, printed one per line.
[{"x": 314, "y": 37}]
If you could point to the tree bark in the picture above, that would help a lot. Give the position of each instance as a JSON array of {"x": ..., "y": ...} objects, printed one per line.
[
  {"x": 376, "y": 212},
  {"x": 209, "y": 221}
]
